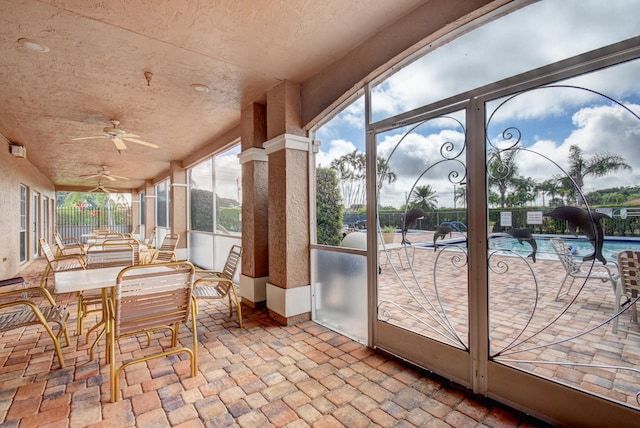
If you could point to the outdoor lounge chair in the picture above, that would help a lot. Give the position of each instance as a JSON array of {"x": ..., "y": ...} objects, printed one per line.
[
  {"x": 628, "y": 286},
  {"x": 67, "y": 246},
  {"x": 150, "y": 298},
  {"x": 58, "y": 263},
  {"x": 211, "y": 284},
  {"x": 101, "y": 256},
  {"x": 19, "y": 308},
  {"x": 584, "y": 270},
  {"x": 167, "y": 251}
]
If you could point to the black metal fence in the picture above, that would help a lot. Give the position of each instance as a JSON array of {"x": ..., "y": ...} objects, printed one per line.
[
  {"x": 75, "y": 222},
  {"x": 627, "y": 225}
]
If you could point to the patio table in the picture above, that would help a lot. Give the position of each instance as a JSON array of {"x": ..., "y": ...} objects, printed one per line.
[{"x": 91, "y": 279}]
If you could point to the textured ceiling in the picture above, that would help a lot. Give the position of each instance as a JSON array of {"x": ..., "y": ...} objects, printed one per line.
[{"x": 99, "y": 51}]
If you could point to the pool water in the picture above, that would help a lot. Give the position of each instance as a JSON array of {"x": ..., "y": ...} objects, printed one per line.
[{"x": 583, "y": 247}]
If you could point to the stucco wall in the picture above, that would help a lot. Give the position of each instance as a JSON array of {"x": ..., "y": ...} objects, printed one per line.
[{"x": 14, "y": 172}]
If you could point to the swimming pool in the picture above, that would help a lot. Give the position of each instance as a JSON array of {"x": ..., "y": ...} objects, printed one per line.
[
  {"x": 610, "y": 249},
  {"x": 507, "y": 244}
]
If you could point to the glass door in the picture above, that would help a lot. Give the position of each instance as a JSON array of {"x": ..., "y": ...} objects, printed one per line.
[
  {"x": 422, "y": 282},
  {"x": 512, "y": 190},
  {"x": 35, "y": 223}
]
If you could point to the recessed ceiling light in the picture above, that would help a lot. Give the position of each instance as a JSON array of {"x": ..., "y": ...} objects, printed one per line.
[
  {"x": 199, "y": 87},
  {"x": 32, "y": 45}
]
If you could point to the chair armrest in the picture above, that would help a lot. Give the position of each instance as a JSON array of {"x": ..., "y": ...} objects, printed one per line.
[
  {"x": 12, "y": 281},
  {"x": 23, "y": 291},
  {"x": 599, "y": 267},
  {"x": 78, "y": 257},
  {"x": 72, "y": 239},
  {"x": 207, "y": 272}
]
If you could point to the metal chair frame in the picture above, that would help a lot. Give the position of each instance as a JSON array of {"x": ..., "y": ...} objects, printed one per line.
[{"x": 148, "y": 298}]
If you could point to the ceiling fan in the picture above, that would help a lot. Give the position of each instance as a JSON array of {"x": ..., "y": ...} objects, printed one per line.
[
  {"x": 118, "y": 136},
  {"x": 104, "y": 173},
  {"x": 100, "y": 188}
]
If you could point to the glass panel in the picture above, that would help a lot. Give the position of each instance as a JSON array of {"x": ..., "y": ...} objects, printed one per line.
[
  {"x": 35, "y": 220},
  {"x": 564, "y": 187},
  {"x": 340, "y": 292},
  {"x": 23, "y": 223},
  {"x": 505, "y": 47},
  {"x": 228, "y": 191},
  {"x": 201, "y": 196},
  {"x": 340, "y": 178},
  {"x": 143, "y": 213},
  {"x": 422, "y": 282},
  {"x": 210, "y": 252},
  {"x": 162, "y": 204},
  {"x": 201, "y": 249}
]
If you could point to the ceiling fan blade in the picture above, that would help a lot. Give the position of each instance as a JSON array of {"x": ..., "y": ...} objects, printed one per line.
[
  {"x": 144, "y": 143},
  {"x": 109, "y": 177},
  {"x": 88, "y": 176},
  {"x": 88, "y": 138},
  {"x": 119, "y": 143},
  {"x": 118, "y": 177},
  {"x": 127, "y": 135}
]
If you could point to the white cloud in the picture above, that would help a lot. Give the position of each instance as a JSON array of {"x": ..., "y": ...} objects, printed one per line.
[
  {"x": 333, "y": 150},
  {"x": 551, "y": 119},
  {"x": 537, "y": 35}
]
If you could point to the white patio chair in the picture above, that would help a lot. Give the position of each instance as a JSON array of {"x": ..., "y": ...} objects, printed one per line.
[{"x": 584, "y": 270}]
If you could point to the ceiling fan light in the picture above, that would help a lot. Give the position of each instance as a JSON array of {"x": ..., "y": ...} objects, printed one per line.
[
  {"x": 32, "y": 45},
  {"x": 199, "y": 87}
]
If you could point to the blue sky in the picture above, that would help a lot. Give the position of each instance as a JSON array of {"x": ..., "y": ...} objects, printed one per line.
[{"x": 551, "y": 120}]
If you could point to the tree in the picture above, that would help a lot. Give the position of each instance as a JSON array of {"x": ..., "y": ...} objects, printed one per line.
[
  {"x": 460, "y": 194},
  {"x": 598, "y": 165},
  {"x": 384, "y": 173},
  {"x": 351, "y": 176},
  {"x": 424, "y": 197},
  {"x": 328, "y": 207},
  {"x": 351, "y": 173},
  {"x": 548, "y": 187},
  {"x": 502, "y": 171}
]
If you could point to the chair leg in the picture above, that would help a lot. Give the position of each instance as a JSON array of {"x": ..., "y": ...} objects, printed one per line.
[
  {"x": 194, "y": 334},
  {"x": 45, "y": 276},
  {"x": 238, "y": 306},
  {"x": 560, "y": 293},
  {"x": 80, "y": 315},
  {"x": 616, "y": 306}
]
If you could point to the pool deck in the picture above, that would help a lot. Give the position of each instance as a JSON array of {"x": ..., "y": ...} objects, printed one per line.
[{"x": 569, "y": 340}]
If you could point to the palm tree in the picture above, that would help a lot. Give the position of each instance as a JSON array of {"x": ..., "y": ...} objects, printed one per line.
[
  {"x": 385, "y": 173},
  {"x": 548, "y": 187},
  {"x": 424, "y": 197},
  {"x": 460, "y": 194},
  {"x": 597, "y": 165},
  {"x": 351, "y": 175},
  {"x": 503, "y": 171}
]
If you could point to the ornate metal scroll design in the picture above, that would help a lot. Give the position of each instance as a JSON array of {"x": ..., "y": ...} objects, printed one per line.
[
  {"x": 530, "y": 339},
  {"x": 432, "y": 314}
]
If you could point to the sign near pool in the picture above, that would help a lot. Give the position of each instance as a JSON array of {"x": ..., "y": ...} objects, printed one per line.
[
  {"x": 534, "y": 217},
  {"x": 505, "y": 219}
]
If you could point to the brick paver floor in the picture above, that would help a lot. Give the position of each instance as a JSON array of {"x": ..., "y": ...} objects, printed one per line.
[{"x": 261, "y": 376}]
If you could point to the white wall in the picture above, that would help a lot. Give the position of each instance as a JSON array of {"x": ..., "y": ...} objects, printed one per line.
[{"x": 14, "y": 172}]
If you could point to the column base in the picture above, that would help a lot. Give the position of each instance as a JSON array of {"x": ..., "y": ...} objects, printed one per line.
[
  {"x": 291, "y": 320},
  {"x": 253, "y": 291},
  {"x": 289, "y": 306}
]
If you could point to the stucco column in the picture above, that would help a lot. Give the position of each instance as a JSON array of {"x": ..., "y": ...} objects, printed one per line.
[
  {"x": 178, "y": 213},
  {"x": 255, "y": 204},
  {"x": 288, "y": 289}
]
